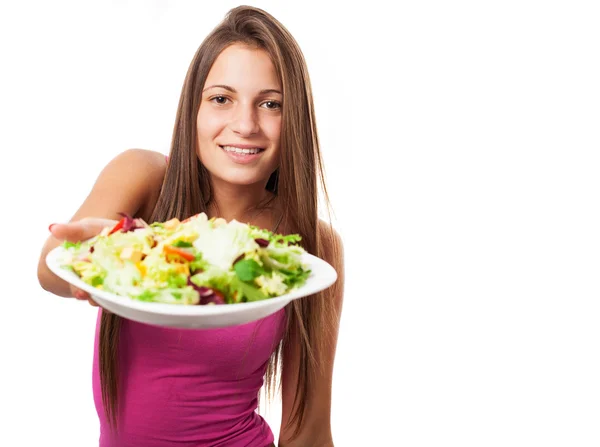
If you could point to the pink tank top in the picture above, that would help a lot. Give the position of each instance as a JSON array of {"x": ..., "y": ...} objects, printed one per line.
[{"x": 186, "y": 387}]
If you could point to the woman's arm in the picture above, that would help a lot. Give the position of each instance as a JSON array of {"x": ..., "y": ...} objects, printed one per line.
[
  {"x": 316, "y": 429},
  {"x": 129, "y": 183}
]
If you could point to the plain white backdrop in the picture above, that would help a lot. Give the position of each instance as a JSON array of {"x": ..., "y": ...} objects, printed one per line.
[{"x": 461, "y": 145}]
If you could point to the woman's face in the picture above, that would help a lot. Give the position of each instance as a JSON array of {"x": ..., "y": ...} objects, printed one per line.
[{"x": 239, "y": 120}]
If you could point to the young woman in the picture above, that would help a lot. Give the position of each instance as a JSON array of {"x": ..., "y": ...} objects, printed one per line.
[{"x": 244, "y": 147}]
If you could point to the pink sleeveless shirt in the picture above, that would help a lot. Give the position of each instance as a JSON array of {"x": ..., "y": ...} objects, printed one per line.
[{"x": 187, "y": 387}]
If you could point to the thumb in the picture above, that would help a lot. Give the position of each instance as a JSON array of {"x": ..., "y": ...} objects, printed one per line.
[{"x": 80, "y": 230}]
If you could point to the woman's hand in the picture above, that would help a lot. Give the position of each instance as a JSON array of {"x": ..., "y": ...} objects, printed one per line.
[{"x": 77, "y": 231}]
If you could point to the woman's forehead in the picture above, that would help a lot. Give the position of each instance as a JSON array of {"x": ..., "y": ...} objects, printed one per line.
[{"x": 244, "y": 68}]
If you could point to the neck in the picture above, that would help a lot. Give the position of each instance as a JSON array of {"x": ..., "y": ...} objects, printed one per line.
[{"x": 239, "y": 202}]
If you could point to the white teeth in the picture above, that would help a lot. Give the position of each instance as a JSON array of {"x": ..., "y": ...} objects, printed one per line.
[{"x": 238, "y": 150}]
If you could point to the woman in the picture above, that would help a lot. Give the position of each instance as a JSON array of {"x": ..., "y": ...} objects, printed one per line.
[{"x": 244, "y": 147}]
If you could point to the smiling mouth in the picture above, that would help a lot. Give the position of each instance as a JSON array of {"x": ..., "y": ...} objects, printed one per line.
[{"x": 242, "y": 151}]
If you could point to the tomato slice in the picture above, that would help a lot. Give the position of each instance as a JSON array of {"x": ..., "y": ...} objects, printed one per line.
[
  {"x": 118, "y": 226},
  {"x": 179, "y": 252}
]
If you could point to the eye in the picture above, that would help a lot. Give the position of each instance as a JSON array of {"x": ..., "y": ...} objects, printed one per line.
[
  {"x": 221, "y": 100},
  {"x": 271, "y": 105}
]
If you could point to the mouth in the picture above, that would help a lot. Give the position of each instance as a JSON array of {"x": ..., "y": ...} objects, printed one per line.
[
  {"x": 243, "y": 155},
  {"x": 244, "y": 150}
]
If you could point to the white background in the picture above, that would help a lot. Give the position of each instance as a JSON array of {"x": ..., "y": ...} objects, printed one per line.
[{"x": 461, "y": 144}]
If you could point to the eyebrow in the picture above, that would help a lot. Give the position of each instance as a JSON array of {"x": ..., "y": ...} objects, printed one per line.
[{"x": 232, "y": 90}]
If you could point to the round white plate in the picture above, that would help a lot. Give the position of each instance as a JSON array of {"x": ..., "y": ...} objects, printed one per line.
[{"x": 322, "y": 276}]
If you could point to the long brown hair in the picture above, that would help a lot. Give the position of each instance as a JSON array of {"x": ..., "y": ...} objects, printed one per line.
[{"x": 186, "y": 191}]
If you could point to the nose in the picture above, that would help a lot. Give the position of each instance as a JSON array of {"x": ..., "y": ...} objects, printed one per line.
[{"x": 245, "y": 120}]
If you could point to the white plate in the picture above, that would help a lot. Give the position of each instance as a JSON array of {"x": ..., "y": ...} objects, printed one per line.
[{"x": 322, "y": 276}]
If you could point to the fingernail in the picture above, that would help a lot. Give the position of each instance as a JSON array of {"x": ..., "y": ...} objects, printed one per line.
[{"x": 50, "y": 227}]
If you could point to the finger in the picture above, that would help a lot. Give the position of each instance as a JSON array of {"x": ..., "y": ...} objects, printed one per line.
[
  {"x": 80, "y": 230},
  {"x": 72, "y": 232},
  {"x": 79, "y": 294}
]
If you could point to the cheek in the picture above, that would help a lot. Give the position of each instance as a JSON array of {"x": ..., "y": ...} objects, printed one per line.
[
  {"x": 208, "y": 125},
  {"x": 272, "y": 130}
]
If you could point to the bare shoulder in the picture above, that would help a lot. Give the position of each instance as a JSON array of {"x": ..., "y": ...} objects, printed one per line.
[
  {"x": 148, "y": 169},
  {"x": 145, "y": 163},
  {"x": 129, "y": 183}
]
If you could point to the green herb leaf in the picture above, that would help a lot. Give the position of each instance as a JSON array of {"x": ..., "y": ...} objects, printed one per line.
[{"x": 247, "y": 269}]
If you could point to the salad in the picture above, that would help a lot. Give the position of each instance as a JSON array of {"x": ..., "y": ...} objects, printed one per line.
[{"x": 194, "y": 261}]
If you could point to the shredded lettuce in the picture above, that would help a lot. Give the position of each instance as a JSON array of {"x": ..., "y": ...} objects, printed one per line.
[{"x": 197, "y": 261}]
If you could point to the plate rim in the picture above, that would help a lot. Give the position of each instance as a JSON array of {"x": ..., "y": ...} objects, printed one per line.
[{"x": 183, "y": 310}]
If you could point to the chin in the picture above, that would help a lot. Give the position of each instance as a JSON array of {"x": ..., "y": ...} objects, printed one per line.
[{"x": 241, "y": 178}]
